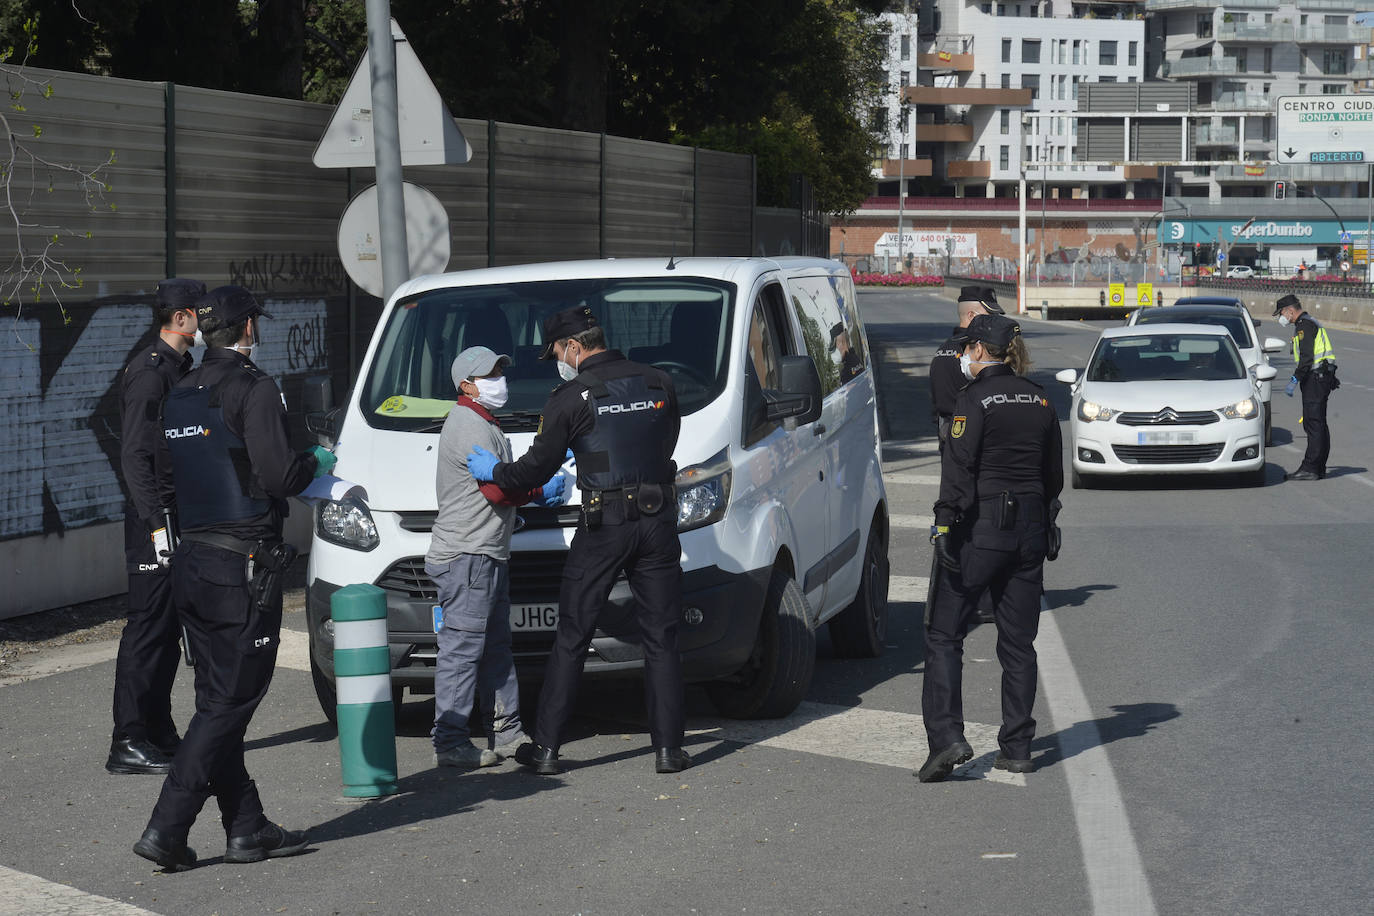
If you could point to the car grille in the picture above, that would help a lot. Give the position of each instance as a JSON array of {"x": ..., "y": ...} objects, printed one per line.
[
  {"x": 1170, "y": 417},
  {"x": 1167, "y": 454},
  {"x": 535, "y": 577},
  {"x": 529, "y": 517}
]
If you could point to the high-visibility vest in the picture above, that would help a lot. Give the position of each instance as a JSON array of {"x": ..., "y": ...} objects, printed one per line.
[{"x": 1321, "y": 348}]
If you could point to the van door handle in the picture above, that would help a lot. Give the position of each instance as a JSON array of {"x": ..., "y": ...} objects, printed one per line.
[{"x": 819, "y": 430}]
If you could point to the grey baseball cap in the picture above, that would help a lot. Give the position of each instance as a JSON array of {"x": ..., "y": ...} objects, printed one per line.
[{"x": 475, "y": 362}]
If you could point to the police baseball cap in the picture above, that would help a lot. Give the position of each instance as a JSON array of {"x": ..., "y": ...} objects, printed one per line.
[
  {"x": 836, "y": 330},
  {"x": 179, "y": 293},
  {"x": 565, "y": 324},
  {"x": 996, "y": 330},
  {"x": 229, "y": 305},
  {"x": 983, "y": 295},
  {"x": 475, "y": 362},
  {"x": 1286, "y": 301}
]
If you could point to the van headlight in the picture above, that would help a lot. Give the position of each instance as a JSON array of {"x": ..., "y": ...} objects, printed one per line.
[
  {"x": 703, "y": 492},
  {"x": 1241, "y": 410},
  {"x": 346, "y": 522}
]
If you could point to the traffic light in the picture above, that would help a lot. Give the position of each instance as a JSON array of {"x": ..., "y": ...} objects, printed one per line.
[
  {"x": 1102, "y": 298},
  {"x": 1280, "y": 189}
]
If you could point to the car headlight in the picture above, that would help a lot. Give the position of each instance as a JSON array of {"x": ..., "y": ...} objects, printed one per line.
[
  {"x": 1241, "y": 410},
  {"x": 1089, "y": 411},
  {"x": 703, "y": 492},
  {"x": 346, "y": 522}
]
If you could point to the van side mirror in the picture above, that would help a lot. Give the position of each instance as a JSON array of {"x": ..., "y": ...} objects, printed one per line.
[
  {"x": 321, "y": 416},
  {"x": 800, "y": 393}
]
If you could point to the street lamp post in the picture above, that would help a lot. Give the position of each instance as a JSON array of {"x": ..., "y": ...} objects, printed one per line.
[{"x": 901, "y": 185}]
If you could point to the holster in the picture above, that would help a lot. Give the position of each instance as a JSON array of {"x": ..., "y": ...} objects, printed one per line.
[
  {"x": 592, "y": 509},
  {"x": 274, "y": 561},
  {"x": 1005, "y": 511}
]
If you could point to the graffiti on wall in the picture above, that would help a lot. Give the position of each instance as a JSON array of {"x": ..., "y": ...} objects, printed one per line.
[
  {"x": 269, "y": 273},
  {"x": 59, "y": 404}
]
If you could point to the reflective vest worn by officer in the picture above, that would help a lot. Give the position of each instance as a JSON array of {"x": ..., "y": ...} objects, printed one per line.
[{"x": 1312, "y": 350}]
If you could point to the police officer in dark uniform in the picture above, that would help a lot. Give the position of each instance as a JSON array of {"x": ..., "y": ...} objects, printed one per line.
[
  {"x": 145, "y": 737},
  {"x": 1316, "y": 375},
  {"x": 621, "y": 420},
  {"x": 225, "y": 425},
  {"x": 946, "y": 380},
  {"x": 1003, "y": 468}
]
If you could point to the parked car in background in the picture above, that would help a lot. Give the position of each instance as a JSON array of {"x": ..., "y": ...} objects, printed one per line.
[
  {"x": 1166, "y": 399},
  {"x": 1241, "y": 271},
  {"x": 1231, "y": 314}
]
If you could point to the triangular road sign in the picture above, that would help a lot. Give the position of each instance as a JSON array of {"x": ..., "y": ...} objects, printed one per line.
[{"x": 428, "y": 134}]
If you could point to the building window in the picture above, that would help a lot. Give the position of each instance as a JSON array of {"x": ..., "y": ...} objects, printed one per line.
[
  {"x": 1106, "y": 79},
  {"x": 1030, "y": 51},
  {"x": 877, "y": 120},
  {"x": 906, "y": 78},
  {"x": 1302, "y": 63},
  {"x": 904, "y": 151},
  {"x": 906, "y": 47},
  {"x": 1106, "y": 53},
  {"x": 1002, "y": 9},
  {"x": 1004, "y": 158},
  {"x": 982, "y": 153},
  {"x": 1075, "y": 92},
  {"x": 1131, "y": 58},
  {"x": 1006, "y": 50},
  {"x": 1204, "y": 25},
  {"x": 1006, "y": 80},
  {"x": 1332, "y": 89},
  {"x": 1031, "y": 81},
  {"x": 1333, "y": 62},
  {"x": 1075, "y": 50},
  {"x": 1006, "y": 121},
  {"x": 1240, "y": 58},
  {"x": 987, "y": 9},
  {"x": 1268, "y": 60}
]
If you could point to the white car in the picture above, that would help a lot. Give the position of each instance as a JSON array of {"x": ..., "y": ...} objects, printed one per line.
[
  {"x": 1241, "y": 271},
  {"x": 1229, "y": 313},
  {"x": 1167, "y": 399}
]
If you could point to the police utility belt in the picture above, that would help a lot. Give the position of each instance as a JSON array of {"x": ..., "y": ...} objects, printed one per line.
[
  {"x": 626, "y": 503},
  {"x": 270, "y": 558}
]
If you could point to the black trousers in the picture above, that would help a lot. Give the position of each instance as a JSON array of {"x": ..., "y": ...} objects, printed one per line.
[
  {"x": 234, "y": 642},
  {"x": 1316, "y": 388},
  {"x": 648, "y": 551},
  {"x": 1010, "y": 566},
  {"x": 146, "y": 665}
]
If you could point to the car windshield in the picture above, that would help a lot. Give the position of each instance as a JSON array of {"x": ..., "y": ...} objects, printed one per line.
[
  {"x": 682, "y": 326},
  {"x": 1237, "y": 325},
  {"x": 1165, "y": 357}
]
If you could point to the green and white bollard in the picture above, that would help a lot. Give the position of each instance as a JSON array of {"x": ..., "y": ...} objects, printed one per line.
[{"x": 362, "y": 677}]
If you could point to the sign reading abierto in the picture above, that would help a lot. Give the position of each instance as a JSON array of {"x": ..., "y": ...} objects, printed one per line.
[{"x": 1325, "y": 129}]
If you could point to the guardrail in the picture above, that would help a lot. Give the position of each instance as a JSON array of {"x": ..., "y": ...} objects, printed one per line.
[{"x": 1054, "y": 205}]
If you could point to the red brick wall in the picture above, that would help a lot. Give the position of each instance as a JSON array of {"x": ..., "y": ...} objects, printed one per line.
[{"x": 856, "y": 236}]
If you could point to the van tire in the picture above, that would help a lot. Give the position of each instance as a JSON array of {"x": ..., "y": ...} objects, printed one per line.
[
  {"x": 328, "y": 695},
  {"x": 860, "y": 630},
  {"x": 778, "y": 673}
]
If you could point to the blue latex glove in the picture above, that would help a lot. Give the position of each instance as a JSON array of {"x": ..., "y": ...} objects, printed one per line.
[
  {"x": 324, "y": 460},
  {"x": 481, "y": 463},
  {"x": 1291, "y": 386},
  {"x": 555, "y": 491},
  {"x": 569, "y": 459}
]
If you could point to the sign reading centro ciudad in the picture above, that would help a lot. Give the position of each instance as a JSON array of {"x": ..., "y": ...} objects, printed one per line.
[{"x": 1325, "y": 129}]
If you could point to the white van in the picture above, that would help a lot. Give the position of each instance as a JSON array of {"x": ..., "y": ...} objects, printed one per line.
[{"x": 781, "y": 506}]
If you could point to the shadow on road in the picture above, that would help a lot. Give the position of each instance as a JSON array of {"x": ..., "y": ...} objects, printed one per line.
[
  {"x": 1130, "y": 720},
  {"x": 1074, "y": 597}
]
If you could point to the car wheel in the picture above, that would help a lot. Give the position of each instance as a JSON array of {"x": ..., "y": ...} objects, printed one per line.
[
  {"x": 778, "y": 673},
  {"x": 860, "y": 630},
  {"x": 328, "y": 695},
  {"x": 1268, "y": 424}
]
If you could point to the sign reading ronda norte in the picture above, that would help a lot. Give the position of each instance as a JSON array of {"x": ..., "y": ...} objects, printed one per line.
[{"x": 1325, "y": 129}]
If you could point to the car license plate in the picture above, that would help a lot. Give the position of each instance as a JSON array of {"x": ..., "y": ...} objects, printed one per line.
[
  {"x": 1159, "y": 437},
  {"x": 530, "y": 617}
]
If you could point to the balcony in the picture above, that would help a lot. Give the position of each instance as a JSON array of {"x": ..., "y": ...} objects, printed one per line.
[
  {"x": 1244, "y": 101},
  {"x": 1139, "y": 172},
  {"x": 1200, "y": 67},
  {"x": 968, "y": 168},
  {"x": 1326, "y": 174},
  {"x": 958, "y": 95},
  {"x": 1255, "y": 32},
  {"x": 1163, "y": 6},
  {"x": 1207, "y": 135},
  {"x": 1332, "y": 34},
  {"x": 944, "y": 133},
  {"x": 945, "y": 60},
  {"x": 919, "y": 167}
]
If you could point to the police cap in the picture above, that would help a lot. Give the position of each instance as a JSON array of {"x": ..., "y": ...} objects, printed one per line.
[
  {"x": 179, "y": 293},
  {"x": 567, "y": 323},
  {"x": 983, "y": 295},
  {"x": 995, "y": 330},
  {"x": 1286, "y": 301},
  {"x": 229, "y": 305},
  {"x": 475, "y": 362}
]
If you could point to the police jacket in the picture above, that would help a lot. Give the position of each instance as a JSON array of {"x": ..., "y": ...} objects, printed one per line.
[
  {"x": 1004, "y": 436},
  {"x": 619, "y": 417},
  {"x": 225, "y": 425},
  {"x": 946, "y": 378},
  {"x": 1311, "y": 347},
  {"x": 143, "y": 461}
]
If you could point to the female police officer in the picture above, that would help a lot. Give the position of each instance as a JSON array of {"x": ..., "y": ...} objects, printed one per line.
[{"x": 1002, "y": 468}]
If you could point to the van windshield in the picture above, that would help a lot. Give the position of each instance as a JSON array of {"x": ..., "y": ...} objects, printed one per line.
[{"x": 681, "y": 326}]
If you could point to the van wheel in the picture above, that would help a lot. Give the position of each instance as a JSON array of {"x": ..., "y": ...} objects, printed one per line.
[
  {"x": 778, "y": 673},
  {"x": 328, "y": 696},
  {"x": 860, "y": 630}
]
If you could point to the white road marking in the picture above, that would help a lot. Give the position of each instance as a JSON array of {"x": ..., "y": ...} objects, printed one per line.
[
  {"x": 907, "y": 588},
  {"x": 294, "y": 651},
  {"x": 34, "y": 896},
  {"x": 911, "y": 521},
  {"x": 1116, "y": 876},
  {"x": 927, "y": 446},
  {"x": 931, "y": 479}
]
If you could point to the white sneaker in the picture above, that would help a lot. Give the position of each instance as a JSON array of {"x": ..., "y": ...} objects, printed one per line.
[{"x": 466, "y": 756}]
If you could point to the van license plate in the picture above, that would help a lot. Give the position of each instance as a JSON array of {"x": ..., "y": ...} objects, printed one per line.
[
  {"x": 1163, "y": 438},
  {"x": 528, "y": 617}
]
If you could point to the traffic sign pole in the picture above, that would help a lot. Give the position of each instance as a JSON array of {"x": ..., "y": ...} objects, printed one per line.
[{"x": 386, "y": 135}]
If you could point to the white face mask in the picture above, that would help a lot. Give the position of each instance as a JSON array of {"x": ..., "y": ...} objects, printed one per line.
[
  {"x": 1283, "y": 321},
  {"x": 491, "y": 392},
  {"x": 198, "y": 340},
  {"x": 567, "y": 372}
]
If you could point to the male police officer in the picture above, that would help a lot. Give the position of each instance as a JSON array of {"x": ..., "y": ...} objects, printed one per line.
[
  {"x": 621, "y": 420},
  {"x": 145, "y": 737},
  {"x": 226, "y": 433},
  {"x": 946, "y": 379},
  {"x": 1316, "y": 374}
]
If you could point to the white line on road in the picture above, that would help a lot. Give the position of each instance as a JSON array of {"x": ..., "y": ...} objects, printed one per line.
[
  {"x": 30, "y": 895},
  {"x": 907, "y": 588},
  {"x": 911, "y": 521},
  {"x": 1116, "y": 876},
  {"x": 932, "y": 479}
]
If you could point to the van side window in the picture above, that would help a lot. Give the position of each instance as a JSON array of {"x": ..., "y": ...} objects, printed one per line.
[
  {"x": 853, "y": 356},
  {"x": 768, "y": 340},
  {"x": 823, "y": 328}
]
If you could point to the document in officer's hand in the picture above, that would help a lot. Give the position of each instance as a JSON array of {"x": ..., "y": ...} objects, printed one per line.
[{"x": 332, "y": 488}]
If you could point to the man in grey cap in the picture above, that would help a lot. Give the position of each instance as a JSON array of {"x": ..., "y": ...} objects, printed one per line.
[{"x": 468, "y": 560}]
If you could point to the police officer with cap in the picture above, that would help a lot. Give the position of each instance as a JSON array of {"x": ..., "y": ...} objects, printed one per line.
[
  {"x": 145, "y": 737},
  {"x": 225, "y": 426},
  {"x": 1316, "y": 375},
  {"x": 945, "y": 378},
  {"x": 621, "y": 420},
  {"x": 1002, "y": 473}
]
